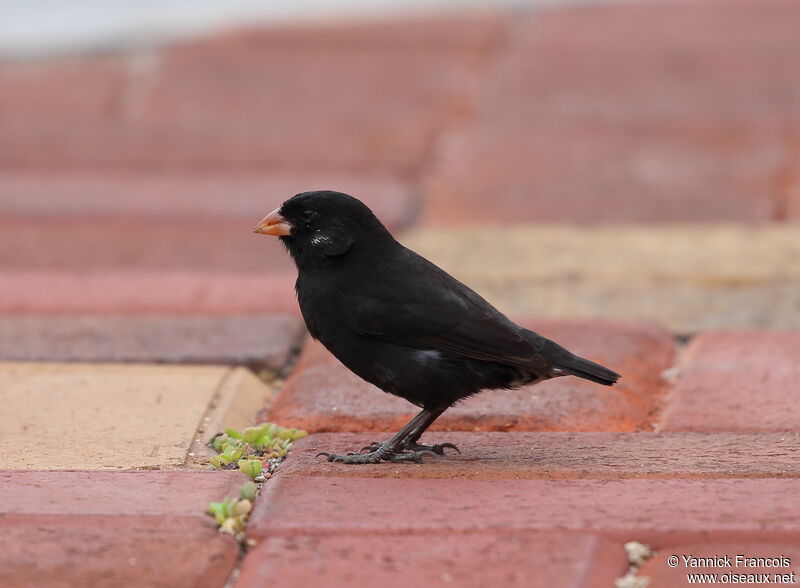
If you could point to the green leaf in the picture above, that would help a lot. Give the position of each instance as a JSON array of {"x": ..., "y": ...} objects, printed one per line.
[
  {"x": 264, "y": 440},
  {"x": 251, "y": 467},
  {"x": 219, "y": 441},
  {"x": 248, "y": 491},
  {"x": 217, "y": 509},
  {"x": 233, "y": 453},
  {"x": 228, "y": 506},
  {"x": 251, "y": 435}
]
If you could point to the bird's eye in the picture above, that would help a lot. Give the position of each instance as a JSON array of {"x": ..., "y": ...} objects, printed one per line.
[{"x": 308, "y": 215}]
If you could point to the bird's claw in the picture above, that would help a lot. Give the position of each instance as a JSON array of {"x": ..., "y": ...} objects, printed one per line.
[
  {"x": 438, "y": 449},
  {"x": 374, "y": 446},
  {"x": 382, "y": 453}
]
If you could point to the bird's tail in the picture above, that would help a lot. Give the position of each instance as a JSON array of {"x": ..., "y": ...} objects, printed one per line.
[
  {"x": 566, "y": 363},
  {"x": 588, "y": 370}
]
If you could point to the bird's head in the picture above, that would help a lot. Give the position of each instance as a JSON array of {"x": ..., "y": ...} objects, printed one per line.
[{"x": 323, "y": 224}]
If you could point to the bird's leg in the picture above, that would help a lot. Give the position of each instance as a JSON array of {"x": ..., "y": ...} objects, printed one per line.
[
  {"x": 410, "y": 442},
  {"x": 393, "y": 450}
]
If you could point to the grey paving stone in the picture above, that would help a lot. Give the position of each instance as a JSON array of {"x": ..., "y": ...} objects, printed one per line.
[{"x": 258, "y": 341}]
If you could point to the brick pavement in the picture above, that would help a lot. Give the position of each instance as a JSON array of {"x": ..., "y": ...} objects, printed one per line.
[
  {"x": 128, "y": 187},
  {"x": 112, "y": 529}
]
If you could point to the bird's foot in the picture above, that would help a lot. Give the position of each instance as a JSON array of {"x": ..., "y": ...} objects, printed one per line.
[
  {"x": 376, "y": 454},
  {"x": 406, "y": 445}
]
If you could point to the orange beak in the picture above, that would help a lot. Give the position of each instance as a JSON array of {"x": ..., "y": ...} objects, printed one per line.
[{"x": 274, "y": 224}]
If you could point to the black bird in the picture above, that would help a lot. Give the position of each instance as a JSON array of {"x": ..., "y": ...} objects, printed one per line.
[{"x": 402, "y": 323}]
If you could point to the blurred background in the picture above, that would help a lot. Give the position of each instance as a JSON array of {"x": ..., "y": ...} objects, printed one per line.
[
  {"x": 626, "y": 160},
  {"x": 620, "y": 176},
  {"x": 49, "y": 26}
]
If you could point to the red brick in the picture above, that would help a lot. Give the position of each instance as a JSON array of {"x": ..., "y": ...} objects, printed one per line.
[
  {"x": 742, "y": 381},
  {"x": 65, "y": 552},
  {"x": 79, "y": 246},
  {"x": 743, "y": 26},
  {"x": 557, "y": 456},
  {"x": 793, "y": 208},
  {"x": 663, "y": 575},
  {"x": 61, "y": 90},
  {"x": 477, "y": 32},
  {"x": 127, "y": 493},
  {"x": 257, "y": 341},
  {"x": 60, "y": 108},
  {"x": 364, "y": 109},
  {"x": 142, "y": 292},
  {"x": 120, "y": 528},
  {"x": 236, "y": 199},
  {"x": 659, "y": 512},
  {"x": 604, "y": 173},
  {"x": 448, "y": 559},
  {"x": 322, "y": 395},
  {"x": 792, "y": 185},
  {"x": 631, "y": 112},
  {"x": 656, "y": 61},
  {"x": 371, "y": 104}
]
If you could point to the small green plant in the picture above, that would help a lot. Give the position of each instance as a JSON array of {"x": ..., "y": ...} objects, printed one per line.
[
  {"x": 251, "y": 467},
  {"x": 221, "y": 511},
  {"x": 251, "y": 447},
  {"x": 248, "y": 450},
  {"x": 248, "y": 491},
  {"x": 231, "y": 513}
]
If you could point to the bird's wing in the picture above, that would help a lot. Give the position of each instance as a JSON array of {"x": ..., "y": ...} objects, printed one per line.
[{"x": 445, "y": 315}]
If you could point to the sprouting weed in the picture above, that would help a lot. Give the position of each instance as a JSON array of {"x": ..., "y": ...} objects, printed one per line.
[
  {"x": 253, "y": 450},
  {"x": 264, "y": 442}
]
